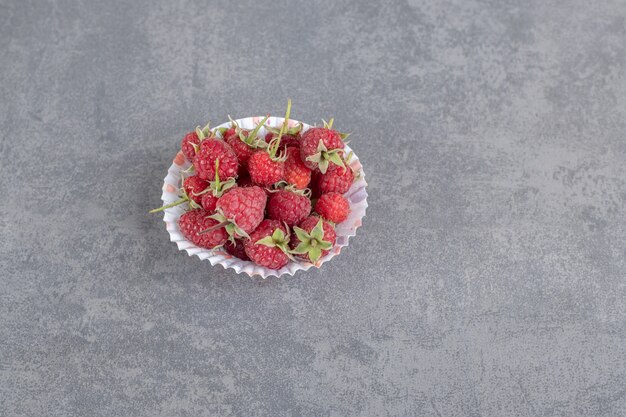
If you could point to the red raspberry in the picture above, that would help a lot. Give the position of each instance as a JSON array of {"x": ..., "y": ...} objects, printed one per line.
[
  {"x": 195, "y": 221},
  {"x": 313, "y": 238},
  {"x": 288, "y": 206},
  {"x": 193, "y": 186},
  {"x": 264, "y": 170},
  {"x": 296, "y": 173},
  {"x": 209, "y": 201},
  {"x": 335, "y": 180},
  {"x": 216, "y": 189},
  {"x": 267, "y": 167},
  {"x": 244, "y": 142},
  {"x": 236, "y": 249},
  {"x": 243, "y": 208},
  {"x": 231, "y": 131},
  {"x": 242, "y": 149},
  {"x": 192, "y": 140},
  {"x": 187, "y": 147},
  {"x": 291, "y": 135},
  {"x": 286, "y": 141},
  {"x": 268, "y": 245},
  {"x": 210, "y": 150},
  {"x": 321, "y": 146},
  {"x": 333, "y": 207}
]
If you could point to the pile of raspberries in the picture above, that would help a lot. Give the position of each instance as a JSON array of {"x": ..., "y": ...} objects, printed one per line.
[{"x": 265, "y": 199}]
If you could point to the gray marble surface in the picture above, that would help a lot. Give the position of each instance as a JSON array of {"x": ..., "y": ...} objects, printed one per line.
[{"x": 489, "y": 278}]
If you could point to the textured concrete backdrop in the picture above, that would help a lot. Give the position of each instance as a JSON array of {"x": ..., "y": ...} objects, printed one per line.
[{"x": 489, "y": 278}]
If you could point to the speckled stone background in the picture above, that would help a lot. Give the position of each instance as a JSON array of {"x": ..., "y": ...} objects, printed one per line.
[{"x": 489, "y": 278}]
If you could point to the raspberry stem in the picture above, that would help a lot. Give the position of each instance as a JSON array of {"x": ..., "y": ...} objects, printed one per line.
[
  {"x": 210, "y": 229},
  {"x": 275, "y": 143},
  {"x": 252, "y": 140},
  {"x": 174, "y": 204}
]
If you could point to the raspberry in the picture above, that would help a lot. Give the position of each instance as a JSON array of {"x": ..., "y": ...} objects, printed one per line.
[
  {"x": 321, "y": 146},
  {"x": 193, "y": 186},
  {"x": 242, "y": 209},
  {"x": 286, "y": 141},
  {"x": 291, "y": 135},
  {"x": 216, "y": 189},
  {"x": 187, "y": 145},
  {"x": 312, "y": 238},
  {"x": 195, "y": 221},
  {"x": 210, "y": 151},
  {"x": 242, "y": 150},
  {"x": 288, "y": 206},
  {"x": 268, "y": 167},
  {"x": 236, "y": 249},
  {"x": 268, "y": 245},
  {"x": 231, "y": 131},
  {"x": 209, "y": 201},
  {"x": 336, "y": 180},
  {"x": 264, "y": 170},
  {"x": 245, "y": 142},
  {"x": 296, "y": 173},
  {"x": 333, "y": 207},
  {"x": 191, "y": 141}
]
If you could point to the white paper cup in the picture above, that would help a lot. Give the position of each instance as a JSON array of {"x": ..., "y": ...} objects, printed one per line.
[{"x": 356, "y": 195}]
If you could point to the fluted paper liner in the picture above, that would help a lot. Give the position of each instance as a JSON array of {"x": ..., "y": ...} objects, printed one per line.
[{"x": 356, "y": 195}]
